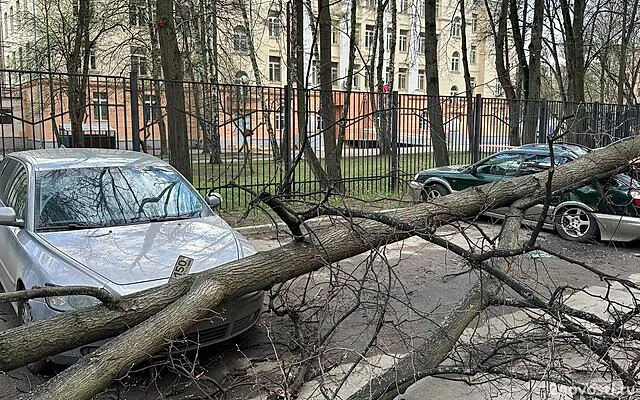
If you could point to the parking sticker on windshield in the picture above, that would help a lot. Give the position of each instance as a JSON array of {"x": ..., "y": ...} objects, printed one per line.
[{"x": 182, "y": 268}]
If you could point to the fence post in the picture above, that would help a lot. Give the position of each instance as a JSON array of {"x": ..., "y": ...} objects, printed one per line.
[
  {"x": 542, "y": 122},
  {"x": 286, "y": 148},
  {"x": 135, "y": 117},
  {"x": 477, "y": 128}
]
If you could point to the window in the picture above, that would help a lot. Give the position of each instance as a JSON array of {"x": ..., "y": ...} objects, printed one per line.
[
  {"x": 279, "y": 120},
  {"x": 421, "y": 8},
  {"x": 335, "y": 35},
  {"x": 12, "y": 21},
  {"x": 100, "y": 106},
  {"x": 369, "y": 36},
  {"x": 506, "y": 164},
  {"x": 315, "y": 72},
  {"x": 150, "y": 109},
  {"x": 404, "y": 6},
  {"x": 389, "y": 37},
  {"x": 357, "y": 36},
  {"x": 139, "y": 61},
  {"x": 137, "y": 14},
  {"x": 274, "y": 25},
  {"x": 368, "y": 3},
  {"x": 422, "y": 43},
  {"x": 455, "y": 61},
  {"x": 92, "y": 60},
  {"x": 274, "y": 69},
  {"x": 6, "y": 116},
  {"x": 355, "y": 73},
  {"x": 498, "y": 90},
  {"x": 240, "y": 39},
  {"x": 388, "y": 75},
  {"x": 472, "y": 81},
  {"x": 456, "y": 27},
  {"x": 334, "y": 74},
  {"x": 402, "y": 40},
  {"x": 17, "y": 191},
  {"x": 402, "y": 78},
  {"x": 454, "y": 91},
  {"x": 473, "y": 55},
  {"x": 6, "y": 25},
  {"x": 474, "y": 22},
  {"x": 421, "y": 79}
]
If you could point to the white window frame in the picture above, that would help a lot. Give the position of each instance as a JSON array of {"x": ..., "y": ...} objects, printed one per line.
[
  {"x": 422, "y": 79},
  {"x": 456, "y": 27},
  {"x": 100, "y": 103},
  {"x": 455, "y": 61},
  {"x": 240, "y": 39},
  {"x": 273, "y": 23},
  {"x": 473, "y": 55},
  {"x": 403, "y": 41},
  {"x": 369, "y": 36},
  {"x": 275, "y": 69},
  {"x": 402, "y": 79}
]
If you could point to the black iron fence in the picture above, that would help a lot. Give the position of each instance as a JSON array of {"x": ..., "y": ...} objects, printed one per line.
[{"x": 251, "y": 137}]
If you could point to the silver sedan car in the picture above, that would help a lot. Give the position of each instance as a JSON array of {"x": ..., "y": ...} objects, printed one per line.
[{"x": 111, "y": 219}]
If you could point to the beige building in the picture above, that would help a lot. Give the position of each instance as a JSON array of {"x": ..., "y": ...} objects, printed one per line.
[{"x": 127, "y": 46}]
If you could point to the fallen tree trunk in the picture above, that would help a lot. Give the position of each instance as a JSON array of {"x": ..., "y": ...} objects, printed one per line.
[{"x": 22, "y": 345}]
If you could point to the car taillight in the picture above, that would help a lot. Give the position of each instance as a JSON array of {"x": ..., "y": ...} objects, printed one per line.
[{"x": 635, "y": 197}]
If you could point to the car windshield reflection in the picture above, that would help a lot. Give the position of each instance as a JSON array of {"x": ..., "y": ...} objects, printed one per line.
[{"x": 110, "y": 196}]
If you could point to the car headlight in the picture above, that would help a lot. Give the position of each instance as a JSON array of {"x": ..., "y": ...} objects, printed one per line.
[
  {"x": 70, "y": 303},
  {"x": 415, "y": 178}
]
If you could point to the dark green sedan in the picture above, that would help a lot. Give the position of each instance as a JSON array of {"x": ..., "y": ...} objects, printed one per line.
[{"x": 608, "y": 209}]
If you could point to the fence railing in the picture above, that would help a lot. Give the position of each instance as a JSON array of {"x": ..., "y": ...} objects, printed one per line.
[{"x": 252, "y": 137}]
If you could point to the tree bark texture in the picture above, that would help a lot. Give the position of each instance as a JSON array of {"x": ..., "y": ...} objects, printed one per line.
[
  {"x": 327, "y": 105},
  {"x": 436, "y": 125},
  {"x": 78, "y": 67},
  {"x": 177, "y": 313},
  {"x": 173, "y": 69},
  {"x": 532, "y": 105}
]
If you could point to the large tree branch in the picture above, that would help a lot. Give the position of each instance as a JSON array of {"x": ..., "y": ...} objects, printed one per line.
[{"x": 258, "y": 272}]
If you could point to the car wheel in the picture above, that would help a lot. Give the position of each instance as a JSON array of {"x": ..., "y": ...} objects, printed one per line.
[
  {"x": 576, "y": 224},
  {"x": 41, "y": 367},
  {"x": 433, "y": 191}
]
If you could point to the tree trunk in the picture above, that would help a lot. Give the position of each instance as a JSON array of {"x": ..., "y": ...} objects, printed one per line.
[
  {"x": 438, "y": 138},
  {"x": 327, "y": 106},
  {"x": 468, "y": 90},
  {"x": 214, "y": 104},
  {"x": 208, "y": 289},
  {"x": 156, "y": 75},
  {"x": 532, "y": 106},
  {"x": 301, "y": 101},
  {"x": 349, "y": 82},
  {"x": 385, "y": 97},
  {"x": 500, "y": 40},
  {"x": 78, "y": 67},
  {"x": 173, "y": 69}
]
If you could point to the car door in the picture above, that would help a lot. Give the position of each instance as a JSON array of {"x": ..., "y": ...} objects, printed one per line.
[
  {"x": 13, "y": 193},
  {"x": 534, "y": 163}
]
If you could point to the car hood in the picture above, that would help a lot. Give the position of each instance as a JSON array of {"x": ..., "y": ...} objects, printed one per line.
[
  {"x": 442, "y": 171},
  {"x": 138, "y": 253}
]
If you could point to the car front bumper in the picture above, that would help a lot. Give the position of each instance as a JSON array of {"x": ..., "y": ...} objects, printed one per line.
[
  {"x": 415, "y": 189},
  {"x": 225, "y": 322}
]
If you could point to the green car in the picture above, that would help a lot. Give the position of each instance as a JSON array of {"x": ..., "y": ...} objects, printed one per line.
[{"x": 608, "y": 210}]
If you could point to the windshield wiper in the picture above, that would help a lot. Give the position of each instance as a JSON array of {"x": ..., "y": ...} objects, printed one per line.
[
  {"x": 168, "y": 218},
  {"x": 72, "y": 226}
]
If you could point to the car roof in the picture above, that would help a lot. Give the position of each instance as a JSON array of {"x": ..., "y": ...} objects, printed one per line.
[
  {"x": 61, "y": 158},
  {"x": 577, "y": 149}
]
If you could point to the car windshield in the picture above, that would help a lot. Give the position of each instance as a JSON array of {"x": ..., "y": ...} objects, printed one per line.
[{"x": 109, "y": 196}]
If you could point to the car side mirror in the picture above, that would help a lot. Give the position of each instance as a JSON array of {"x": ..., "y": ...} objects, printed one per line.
[
  {"x": 214, "y": 200},
  {"x": 472, "y": 169},
  {"x": 8, "y": 217}
]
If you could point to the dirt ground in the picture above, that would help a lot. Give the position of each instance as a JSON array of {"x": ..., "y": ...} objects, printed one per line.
[{"x": 427, "y": 280}]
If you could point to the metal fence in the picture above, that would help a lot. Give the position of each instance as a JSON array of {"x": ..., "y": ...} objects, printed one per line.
[{"x": 255, "y": 134}]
